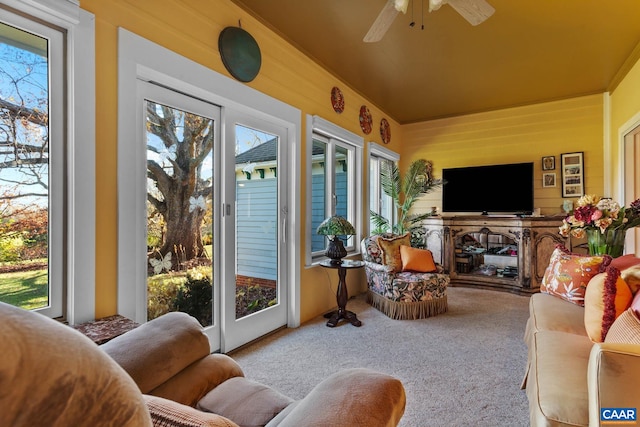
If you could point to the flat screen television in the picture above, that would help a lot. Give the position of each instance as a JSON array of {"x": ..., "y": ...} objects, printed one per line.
[{"x": 499, "y": 189}]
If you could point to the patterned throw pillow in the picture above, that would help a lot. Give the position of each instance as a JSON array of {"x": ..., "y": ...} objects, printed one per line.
[
  {"x": 418, "y": 260},
  {"x": 568, "y": 274},
  {"x": 606, "y": 298},
  {"x": 626, "y": 329},
  {"x": 390, "y": 248},
  {"x": 167, "y": 413}
]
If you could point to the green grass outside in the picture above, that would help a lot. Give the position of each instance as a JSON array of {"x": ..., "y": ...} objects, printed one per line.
[{"x": 26, "y": 289}]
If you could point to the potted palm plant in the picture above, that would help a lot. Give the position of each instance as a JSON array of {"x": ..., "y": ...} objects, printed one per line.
[{"x": 404, "y": 192}]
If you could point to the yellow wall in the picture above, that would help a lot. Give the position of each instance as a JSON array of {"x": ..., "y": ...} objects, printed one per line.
[
  {"x": 191, "y": 28},
  {"x": 513, "y": 135},
  {"x": 625, "y": 104}
]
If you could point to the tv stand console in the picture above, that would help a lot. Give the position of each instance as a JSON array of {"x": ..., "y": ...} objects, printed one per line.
[{"x": 501, "y": 253}]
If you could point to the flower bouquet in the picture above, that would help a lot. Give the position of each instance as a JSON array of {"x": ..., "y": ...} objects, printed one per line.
[{"x": 604, "y": 223}]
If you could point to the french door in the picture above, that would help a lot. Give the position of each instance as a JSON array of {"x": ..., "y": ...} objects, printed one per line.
[
  {"x": 254, "y": 211},
  {"x": 215, "y": 214}
]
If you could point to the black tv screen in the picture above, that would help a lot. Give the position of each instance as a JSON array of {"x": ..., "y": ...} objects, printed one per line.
[{"x": 505, "y": 189}]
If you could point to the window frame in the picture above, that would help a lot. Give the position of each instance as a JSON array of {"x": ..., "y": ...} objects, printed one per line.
[
  {"x": 377, "y": 151},
  {"x": 77, "y": 199},
  {"x": 334, "y": 136}
]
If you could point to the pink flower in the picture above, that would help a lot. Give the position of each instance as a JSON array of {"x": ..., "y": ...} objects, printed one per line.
[{"x": 596, "y": 215}]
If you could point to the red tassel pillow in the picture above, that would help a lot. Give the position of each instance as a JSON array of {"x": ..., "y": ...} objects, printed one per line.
[{"x": 606, "y": 298}]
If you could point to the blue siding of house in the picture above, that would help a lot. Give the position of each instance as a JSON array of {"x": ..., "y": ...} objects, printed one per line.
[
  {"x": 257, "y": 228},
  {"x": 318, "y": 211}
]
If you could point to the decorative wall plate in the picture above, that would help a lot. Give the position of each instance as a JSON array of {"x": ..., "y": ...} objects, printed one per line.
[
  {"x": 366, "y": 123},
  {"x": 240, "y": 53},
  {"x": 385, "y": 131},
  {"x": 337, "y": 100}
]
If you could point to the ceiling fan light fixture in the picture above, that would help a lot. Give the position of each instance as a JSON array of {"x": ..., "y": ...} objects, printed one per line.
[
  {"x": 436, "y": 4},
  {"x": 401, "y": 5}
]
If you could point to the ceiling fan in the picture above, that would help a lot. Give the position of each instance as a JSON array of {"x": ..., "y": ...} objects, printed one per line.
[{"x": 474, "y": 11}]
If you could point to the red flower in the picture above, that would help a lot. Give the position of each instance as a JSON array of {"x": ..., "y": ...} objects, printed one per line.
[{"x": 584, "y": 213}]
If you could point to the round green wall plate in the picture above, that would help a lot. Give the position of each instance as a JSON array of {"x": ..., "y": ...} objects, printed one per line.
[{"x": 240, "y": 53}]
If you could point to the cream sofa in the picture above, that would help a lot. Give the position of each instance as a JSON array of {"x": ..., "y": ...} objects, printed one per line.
[
  {"x": 569, "y": 378},
  {"x": 163, "y": 374}
]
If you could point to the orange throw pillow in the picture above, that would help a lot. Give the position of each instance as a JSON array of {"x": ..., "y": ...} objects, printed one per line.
[
  {"x": 568, "y": 274},
  {"x": 390, "y": 248},
  {"x": 419, "y": 260},
  {"x": 606, "y": 298}
]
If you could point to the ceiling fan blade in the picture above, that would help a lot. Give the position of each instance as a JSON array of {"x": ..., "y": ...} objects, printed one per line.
[
  {"x": 474, "y": 11},
  {"x": 382, "y": 23}
]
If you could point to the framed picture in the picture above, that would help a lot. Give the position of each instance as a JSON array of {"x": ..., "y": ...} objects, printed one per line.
[
  {"x": 548, "y": 163},
  {"x": 549, "y": 179},
  {"x": 572, "y": 174}
]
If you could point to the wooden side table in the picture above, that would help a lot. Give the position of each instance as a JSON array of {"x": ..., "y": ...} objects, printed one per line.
[{"x": 341, "y": 294}]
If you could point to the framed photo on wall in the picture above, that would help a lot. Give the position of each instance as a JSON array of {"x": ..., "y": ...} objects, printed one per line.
[
  {"x": 548, "y": 163},
  {"x": 549, "y": 179},
  {"x": 572, "y": 165}
]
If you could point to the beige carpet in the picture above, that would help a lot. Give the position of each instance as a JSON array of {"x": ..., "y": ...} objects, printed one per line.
[{"x": 461, "y": 368}]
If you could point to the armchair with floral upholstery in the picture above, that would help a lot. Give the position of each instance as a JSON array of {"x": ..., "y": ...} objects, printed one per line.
[{"x": 404, "y": 282}]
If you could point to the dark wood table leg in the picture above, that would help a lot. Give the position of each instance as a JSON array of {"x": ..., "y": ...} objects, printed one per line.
[{"x": 342, "y": 297}]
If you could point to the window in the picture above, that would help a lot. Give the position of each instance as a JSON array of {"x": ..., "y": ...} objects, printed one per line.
[
  {"x": 334, "y": 182},
  {"x": 379, "y": 202},
  {"x": 47, "y": 103}
]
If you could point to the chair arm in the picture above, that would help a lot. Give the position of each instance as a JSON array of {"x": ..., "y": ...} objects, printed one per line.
[
  {"x": 378, "y": 267},
  {"x": 157, "y": 350},
  {"x": 613, "y": 378},
  {"x": 356, "y": 397}
]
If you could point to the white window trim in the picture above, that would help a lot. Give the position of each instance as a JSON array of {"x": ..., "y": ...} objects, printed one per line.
[
  {"x": 381, "y": 151},
  {"x": 316, "y": 124},
  {"x": 80, "y": 147},
  {"x": 139, "y": 58}
]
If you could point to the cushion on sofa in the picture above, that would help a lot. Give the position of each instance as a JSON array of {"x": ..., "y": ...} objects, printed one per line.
[
  {"x": 246, "y": 402},
  {"x": 625, "y": 261},
  {"x": 167, "y": 413},
  {"x": 557, "y": 384},
  {"x": 606, "y": 298},
  {"x": 418, "y": 260},
  {"x": 193, "y": 382},
  {"x": 568, "y": 274},
  {"x": 625, "y": 329},
  {"x": 548, "y": 313},
  {"x": 390, "y": 247}
]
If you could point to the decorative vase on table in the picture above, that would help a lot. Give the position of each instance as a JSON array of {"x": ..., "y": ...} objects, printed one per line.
[
  {"x": 604, "y": 223},
  {"x": 609, "y": 242}
]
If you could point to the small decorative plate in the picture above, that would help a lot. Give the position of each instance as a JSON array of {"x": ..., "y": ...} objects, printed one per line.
[
  {"x": 385, "y": 131},
  {"x": 337, "y": 100},
  {"x": 366, "y": 123}
]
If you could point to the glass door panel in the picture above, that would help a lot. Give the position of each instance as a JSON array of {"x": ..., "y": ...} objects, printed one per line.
[
  {"x": 180, "y": 220},
  {"x": 256, "y": 220}
]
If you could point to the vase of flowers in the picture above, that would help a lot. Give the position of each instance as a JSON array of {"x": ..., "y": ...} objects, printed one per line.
[{"x": 603, "y": 222}]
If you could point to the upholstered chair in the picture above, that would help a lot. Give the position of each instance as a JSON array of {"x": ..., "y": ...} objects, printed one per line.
[
  {"x": 163, "y": 374},
  {"x": 404, "y": 282}
]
